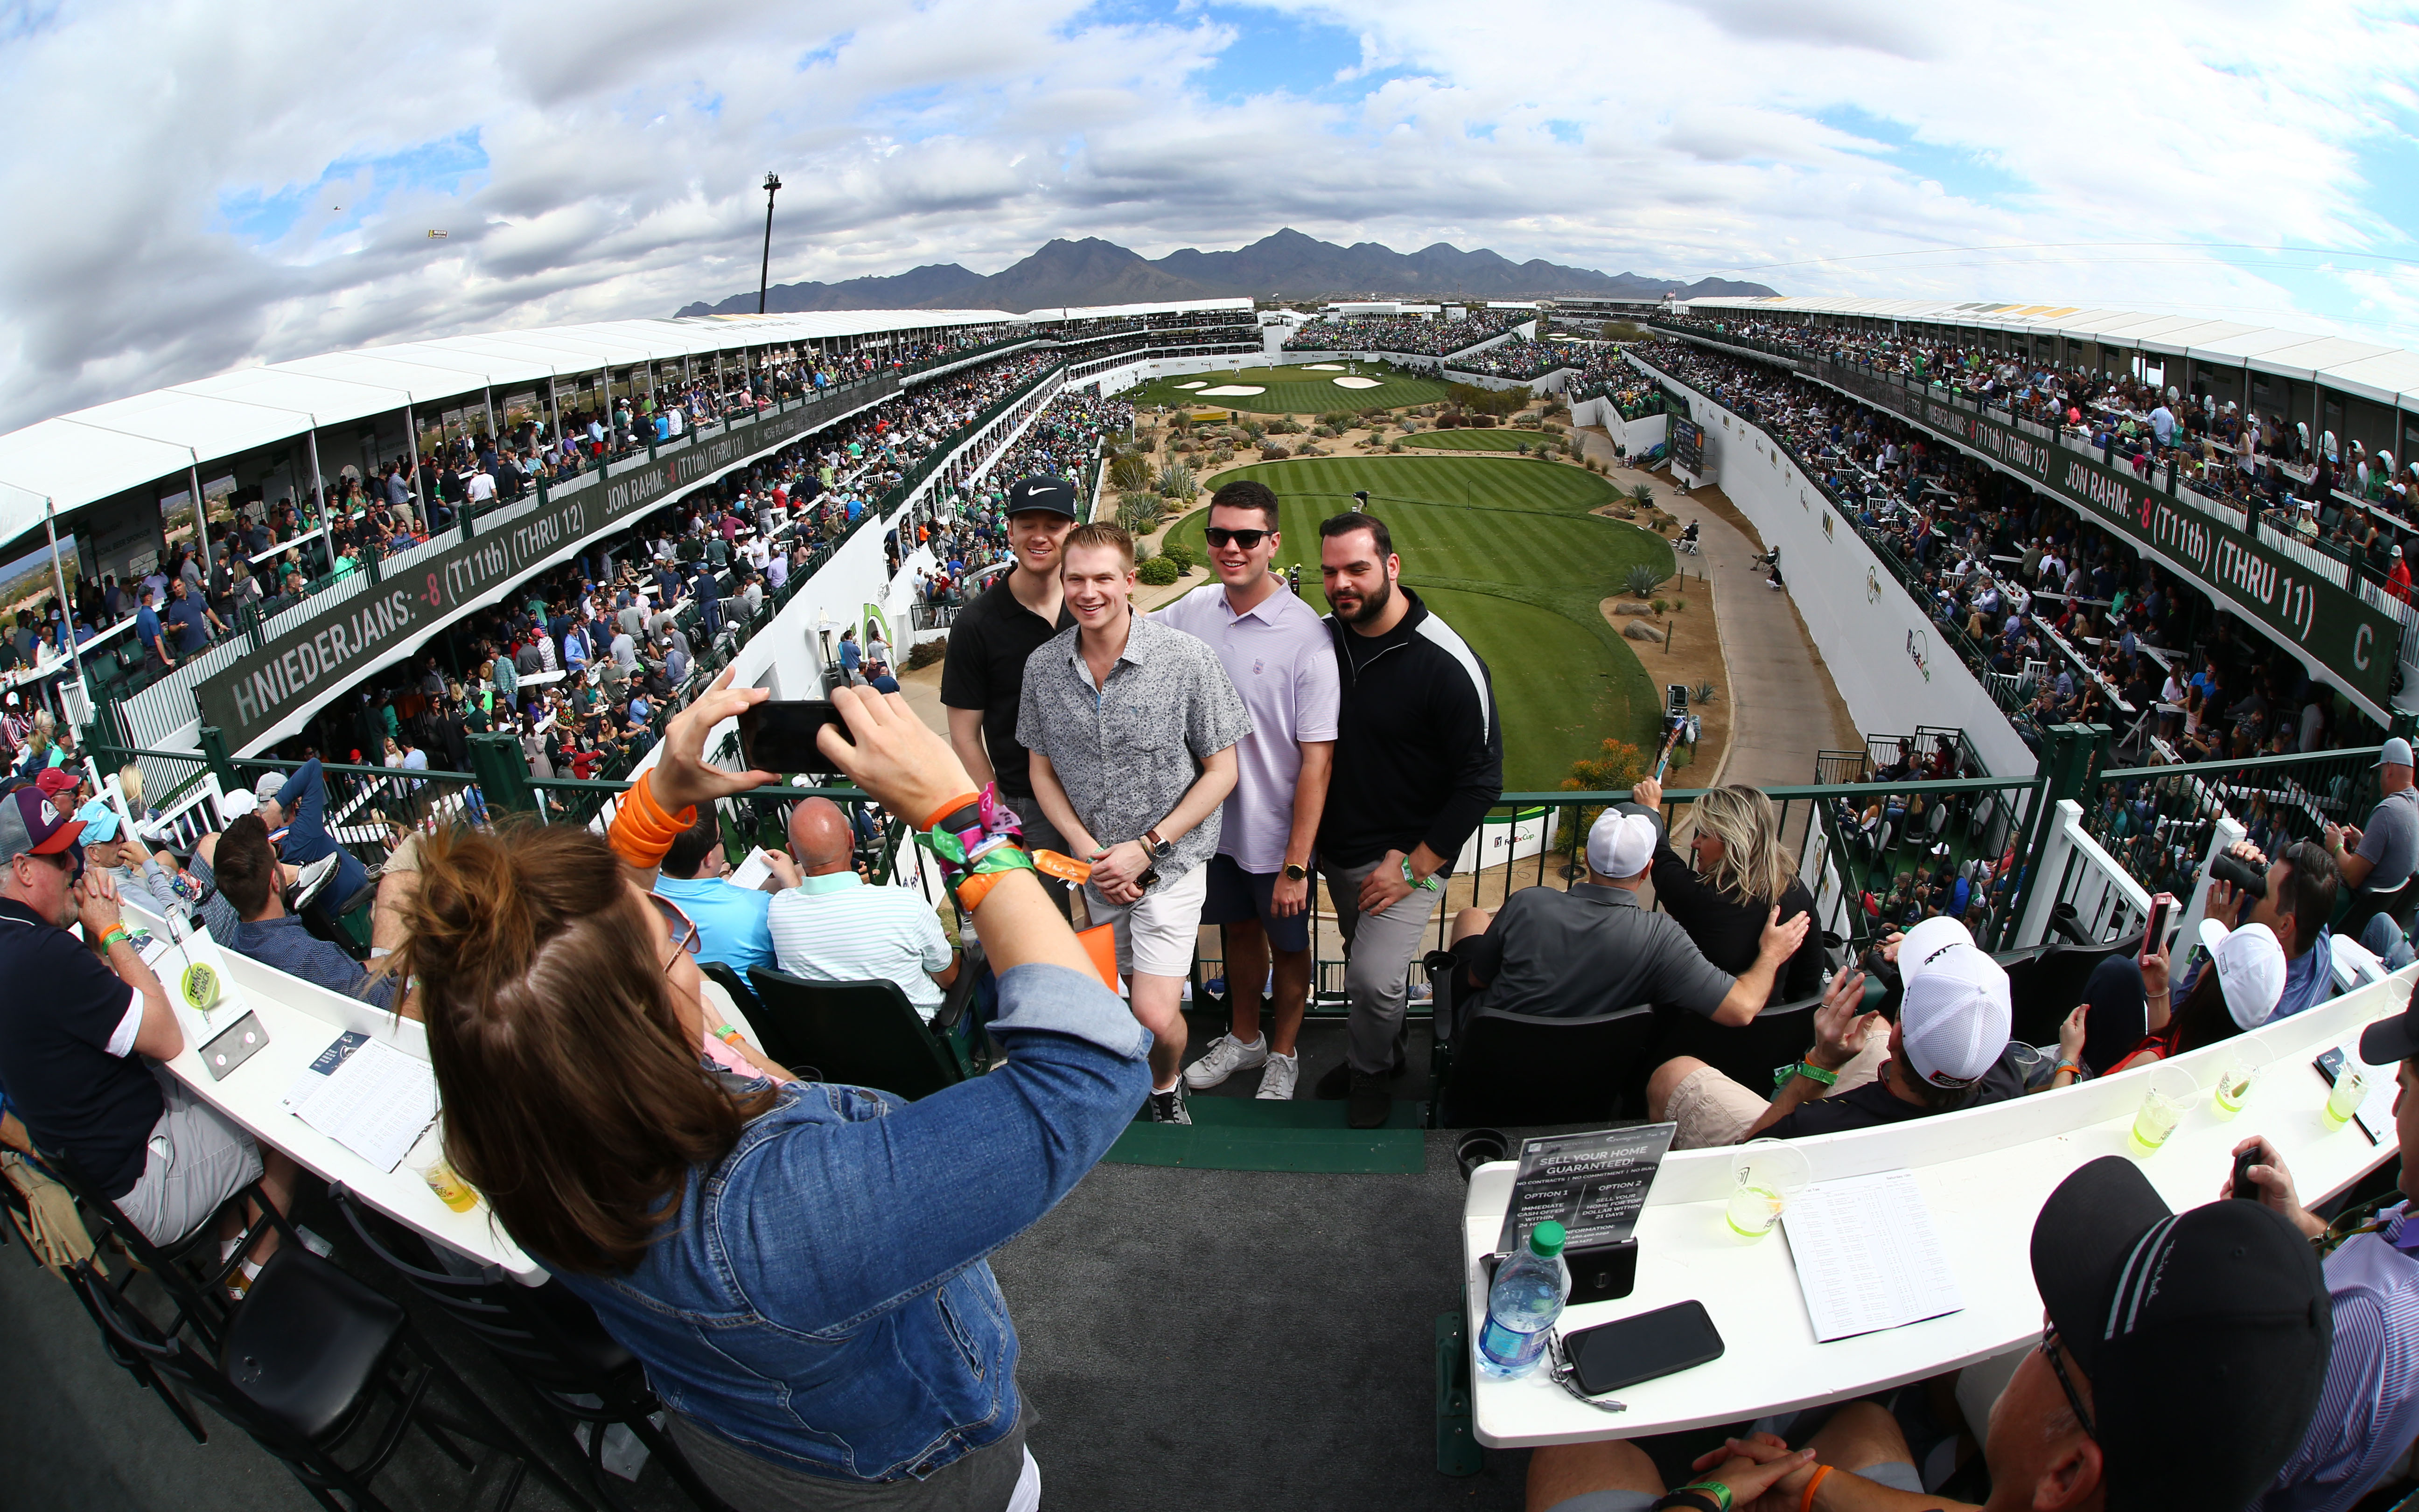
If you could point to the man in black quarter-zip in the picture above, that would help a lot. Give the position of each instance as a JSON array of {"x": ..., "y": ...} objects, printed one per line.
[{"x": 1419, "y": 754}]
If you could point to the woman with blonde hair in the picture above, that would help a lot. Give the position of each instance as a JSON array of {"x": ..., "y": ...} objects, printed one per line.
[
  {"x": 800, "y": 1266},
  {"x": 1740, "y": 872}
]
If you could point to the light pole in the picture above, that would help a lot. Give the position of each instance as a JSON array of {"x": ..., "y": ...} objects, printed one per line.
[{"x": 772, "y": 187}]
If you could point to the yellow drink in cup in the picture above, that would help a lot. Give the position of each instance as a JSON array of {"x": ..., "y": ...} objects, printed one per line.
[
  {"x": 2345, "y": 1098},
  {"x": 1753, "y": 1211},
  {"x": 449, "y": 1186},
  {"x": 2162, "y": 1107}
]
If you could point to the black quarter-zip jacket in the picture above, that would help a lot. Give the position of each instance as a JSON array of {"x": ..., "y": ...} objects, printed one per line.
[{"x": 1419, "y": 750}]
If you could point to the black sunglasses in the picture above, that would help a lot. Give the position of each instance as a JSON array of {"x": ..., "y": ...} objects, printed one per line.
[
  {"x": 1220, "y": 536},
  {"x": 2066, "y": 1383}
]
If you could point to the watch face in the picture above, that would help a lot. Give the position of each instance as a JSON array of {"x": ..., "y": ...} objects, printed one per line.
[{"x": 1294, "y": 873}]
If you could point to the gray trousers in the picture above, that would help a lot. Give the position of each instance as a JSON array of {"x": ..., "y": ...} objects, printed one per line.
[{"x": 1376, "y": 978}]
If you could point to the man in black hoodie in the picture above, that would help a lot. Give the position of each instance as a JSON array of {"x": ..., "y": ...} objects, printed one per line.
[{"x": 1420, "y": 754}]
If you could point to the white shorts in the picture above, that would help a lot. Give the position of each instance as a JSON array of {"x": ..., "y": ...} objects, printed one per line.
[{"x": 1156, "y": 936}]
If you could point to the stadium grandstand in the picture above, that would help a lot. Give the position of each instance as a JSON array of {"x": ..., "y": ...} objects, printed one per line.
[{"x": 575, "y": 1050}]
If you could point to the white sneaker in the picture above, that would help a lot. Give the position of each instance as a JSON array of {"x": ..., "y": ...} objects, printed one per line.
[
  {"x": 1278, "y": 1080},
  {"x": 1225, "y": 1058}
]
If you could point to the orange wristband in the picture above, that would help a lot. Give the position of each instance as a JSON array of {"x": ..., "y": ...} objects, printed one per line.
[
  {"x": 973, "y": 889},
  {"x": 642, "y": 832},
  {"x": 950, "y": 808},
  {"x": 1807, "y": 1504}
]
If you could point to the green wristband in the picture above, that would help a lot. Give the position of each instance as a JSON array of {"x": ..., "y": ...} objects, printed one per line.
[
  {"x": 1807, "y": 1070},
  {"x": 1720, "y": 1492}
]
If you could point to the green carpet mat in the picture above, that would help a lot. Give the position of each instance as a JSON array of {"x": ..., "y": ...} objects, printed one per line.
[{"x": 1235, "y": 1133}]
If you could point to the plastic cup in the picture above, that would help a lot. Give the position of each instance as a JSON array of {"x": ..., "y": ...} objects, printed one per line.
[
  {"x": 2345, "y": 1098},
  {"x": 447, "y": 1183},
  {"x": 1764, "y": 1174},
  {"x": 2237, "y": 1078},
  {"x": 2164, "y": 1101}
]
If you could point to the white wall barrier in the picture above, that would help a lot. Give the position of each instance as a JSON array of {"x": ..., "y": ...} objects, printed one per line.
[{"x": 1890, "y": 661}]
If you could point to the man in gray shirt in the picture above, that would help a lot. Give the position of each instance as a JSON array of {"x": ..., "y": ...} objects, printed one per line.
[
  {"x": 1594, "y": 950},
  {"x": 1132, "y": 727},
  {"x": 2379, "y": 859}
]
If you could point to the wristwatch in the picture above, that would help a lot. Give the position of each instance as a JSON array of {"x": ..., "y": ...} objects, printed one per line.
[
  {"x": 1294, "y": 873},
  {"x": 1160, "y": 849}
]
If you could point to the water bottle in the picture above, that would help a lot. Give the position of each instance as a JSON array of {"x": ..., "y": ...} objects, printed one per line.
[{"x": 1523, "y": 1304}]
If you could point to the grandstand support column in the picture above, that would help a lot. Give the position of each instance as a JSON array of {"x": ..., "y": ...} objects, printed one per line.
[
  {"x": 502, "y": 770},
  {"x": 318, "y": 481},
  {"x": 214, "y": 751},
  {"x": 59, "y": 577},
  {"x": 554, "y": 419},
  {"x": 2076, "y": 754},
  {"x": 201, "y": 528},
  {"x": 487, "y": 399}
]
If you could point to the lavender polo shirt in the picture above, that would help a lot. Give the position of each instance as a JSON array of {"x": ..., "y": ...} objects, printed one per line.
[{"x": 1281, "y": 661}]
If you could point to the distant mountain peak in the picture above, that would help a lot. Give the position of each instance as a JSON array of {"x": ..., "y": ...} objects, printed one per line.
[{"x": 1092, "y": 271}]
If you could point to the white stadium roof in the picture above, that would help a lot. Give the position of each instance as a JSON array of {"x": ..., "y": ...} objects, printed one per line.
[
  {"x": 77, "y": 458},
  {"x": 2387, "y": 374}
]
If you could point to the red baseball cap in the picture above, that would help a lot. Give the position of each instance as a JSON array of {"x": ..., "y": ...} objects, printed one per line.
[{"x": 54, "y": 780}]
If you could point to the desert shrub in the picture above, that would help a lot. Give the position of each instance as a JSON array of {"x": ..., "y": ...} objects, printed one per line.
[
  {"x": 1615, "y": 768},
  {"x": 1159, "y": 572},
  {"x": 1661, "y": 606},
  {"x": 1141, "y": 513},
  {"x": 1641, "y": 580},
  {"x": 925, "y": 653},
  {"x": 1322, "y": 429},
  {"x": 1223, "y": 456},
  {"x": 1269, "y": 451},
  {"x": 1177, "y": 481},
  {"x": 1643, "y": 494},
  {"x": 1182, "y": 554},
  {"x": 1130, "y": 472}
]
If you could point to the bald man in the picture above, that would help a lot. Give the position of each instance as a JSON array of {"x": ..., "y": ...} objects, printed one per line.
[{"x": 833, "y": 927}]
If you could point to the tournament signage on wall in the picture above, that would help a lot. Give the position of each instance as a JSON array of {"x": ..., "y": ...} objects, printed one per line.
[
  {"x": 384, "y": 620},
  {"x": 1688, "y": 446},
  {"x": 2330, "y": 624}
]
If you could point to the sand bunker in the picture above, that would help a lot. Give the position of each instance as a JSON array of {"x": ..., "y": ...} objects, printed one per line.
[
  {"x": 1357, "y": 383},
  {"x": 1192, "y": 385},
  {"x": 1226, "y": 389},
  {"x": 1327, "y": 367}
]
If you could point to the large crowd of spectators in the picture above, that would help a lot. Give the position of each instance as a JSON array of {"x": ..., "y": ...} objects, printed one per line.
[
  {"x": 2063, "y": 619},
  {"x": 2323, "y": 489},
  {"x": 969, "y": 530},
  {"x": 1519, "y": 358},
  {"x": 1415, "y": 336}
]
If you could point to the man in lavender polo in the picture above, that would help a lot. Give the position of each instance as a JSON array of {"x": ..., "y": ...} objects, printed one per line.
[{"x": 1278, "y": 654}]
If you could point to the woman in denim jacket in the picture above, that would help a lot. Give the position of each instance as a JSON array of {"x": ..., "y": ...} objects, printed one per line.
[{"x": 800, "y": 1265}]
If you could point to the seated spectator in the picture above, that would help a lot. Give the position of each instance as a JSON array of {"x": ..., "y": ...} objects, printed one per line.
[
  {"x": 1948, "y": 1050},
  {"x": 72, "y": 1025},
  {"x": 1741, "y": 872},
  {"x": 246, "y": 867},
  {"x": 878, "y": 677},
  {"x": 1594, "y": 950},
  {"x": 2369, "y": 1410},
  {"x": 2184, "y": 1363},
  {"x": 731, "y": 919},
  {"x": 832, "y": 926},
  {"x": 2127, "y": 1001},
  {"x": 294, "y": 806},
  {"x": 2239, "y": 994}
]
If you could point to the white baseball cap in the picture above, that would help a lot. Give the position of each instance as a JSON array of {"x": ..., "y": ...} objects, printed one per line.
[
  {"x": 1955, "y": 1016},
  {"x": 1620, "y": 843},
  {"x": 233, "y": 806},
  {"x": 2249, "y": 968}
]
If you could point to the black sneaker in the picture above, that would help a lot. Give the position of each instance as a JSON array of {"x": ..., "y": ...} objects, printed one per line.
[
  {"x": 1168, "y": 1106},
  {"x": 1371, "y": 1102},
  {"x": 1337, "y": 1084}
]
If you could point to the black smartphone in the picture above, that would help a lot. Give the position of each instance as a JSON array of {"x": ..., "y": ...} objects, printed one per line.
[
  {"x": 2243, "y": 1163},
  {"x": 2330, "y": 1065},
  {"x": 778, "y": 736},
  {"x": 1661, "y": 1343}
]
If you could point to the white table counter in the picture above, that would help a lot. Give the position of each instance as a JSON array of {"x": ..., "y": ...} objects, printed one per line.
[
  {"x": 1984, "y": 1173},
  {"x": 303, "y": 1019}
]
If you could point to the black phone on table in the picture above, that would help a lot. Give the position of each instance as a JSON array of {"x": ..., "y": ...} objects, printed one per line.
[
  {"x": 2243, "y": 1163},
  {"x": 778, "y": 736},
  {"x": 1661, "y": 1343}
]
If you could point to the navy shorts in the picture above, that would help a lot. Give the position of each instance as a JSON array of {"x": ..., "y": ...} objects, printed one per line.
[{"x": 1237, "y": 897}]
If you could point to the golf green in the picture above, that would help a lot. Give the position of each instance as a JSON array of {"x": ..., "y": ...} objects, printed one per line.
[
  {"x": 1292, "y": 391},
  {"x": 1476, "y": 438},
  {"x": 1508, "y": 553}
]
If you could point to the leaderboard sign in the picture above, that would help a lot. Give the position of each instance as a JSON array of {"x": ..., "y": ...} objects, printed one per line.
[
  {"x": 2332, "y": 625},
  {"x": 261, "y": 692},
  {"x": 1688, "y": 446}
]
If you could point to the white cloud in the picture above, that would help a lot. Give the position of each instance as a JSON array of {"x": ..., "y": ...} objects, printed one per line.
[{"x": 624, "y": 143}]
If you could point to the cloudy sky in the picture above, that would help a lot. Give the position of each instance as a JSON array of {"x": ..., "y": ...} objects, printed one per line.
[{"x": 197, "y": 187}]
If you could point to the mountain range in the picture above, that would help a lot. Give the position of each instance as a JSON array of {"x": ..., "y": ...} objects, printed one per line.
[{"x": 1288, "y": 264}]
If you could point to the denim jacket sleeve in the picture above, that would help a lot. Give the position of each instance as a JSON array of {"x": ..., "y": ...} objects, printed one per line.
[{"x": 843, "y": 1221}]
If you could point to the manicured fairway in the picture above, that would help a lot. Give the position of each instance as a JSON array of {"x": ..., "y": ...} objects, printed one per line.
[
  {"x": 1475, "y": 440},
  {"x": 1292, "y": 391},
  {"x": 1507, "y": 552}
]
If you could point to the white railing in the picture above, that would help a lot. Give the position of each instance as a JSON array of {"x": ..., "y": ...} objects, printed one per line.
[
  {"x": 2319, "y": 563},
  {"x": 2074, "y": 869}
]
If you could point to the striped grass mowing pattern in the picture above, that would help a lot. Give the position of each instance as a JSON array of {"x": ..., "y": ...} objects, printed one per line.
[
  {"x": 1476, "y": 440},
  {"x": 1507, "y": 552},
  {"x": 1292, "y": 391}
]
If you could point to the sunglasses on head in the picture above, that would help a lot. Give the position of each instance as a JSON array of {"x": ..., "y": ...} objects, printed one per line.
[
  {"x": 1220, "y": 536},
  {"x": 678, "y": 926}
]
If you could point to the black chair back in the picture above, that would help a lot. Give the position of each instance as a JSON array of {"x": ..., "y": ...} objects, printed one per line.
[
  {"x": 189, "y": 1269},
  {"x": 1748, "y": 1054},
  {"x": 859, "y": 1033},
  {"x": 2045, "y": 985},
  {"x": 2366, "y": 904},
  {"x": 724, "y": 975},
  {"x": 1522, "y": 1070}
]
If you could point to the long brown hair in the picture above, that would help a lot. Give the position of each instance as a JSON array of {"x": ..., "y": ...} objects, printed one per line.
[{"x": 574, "y": 1099}]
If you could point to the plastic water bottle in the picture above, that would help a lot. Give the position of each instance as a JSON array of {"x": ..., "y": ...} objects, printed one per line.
[{"x": 1523, "y": 1304}]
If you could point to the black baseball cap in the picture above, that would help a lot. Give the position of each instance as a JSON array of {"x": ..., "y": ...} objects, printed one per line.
[
  {"x": 2205, "y": 1334},
  {"x": 1043, "y": 496},
  {"x": 2388, "y": 1041}
]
